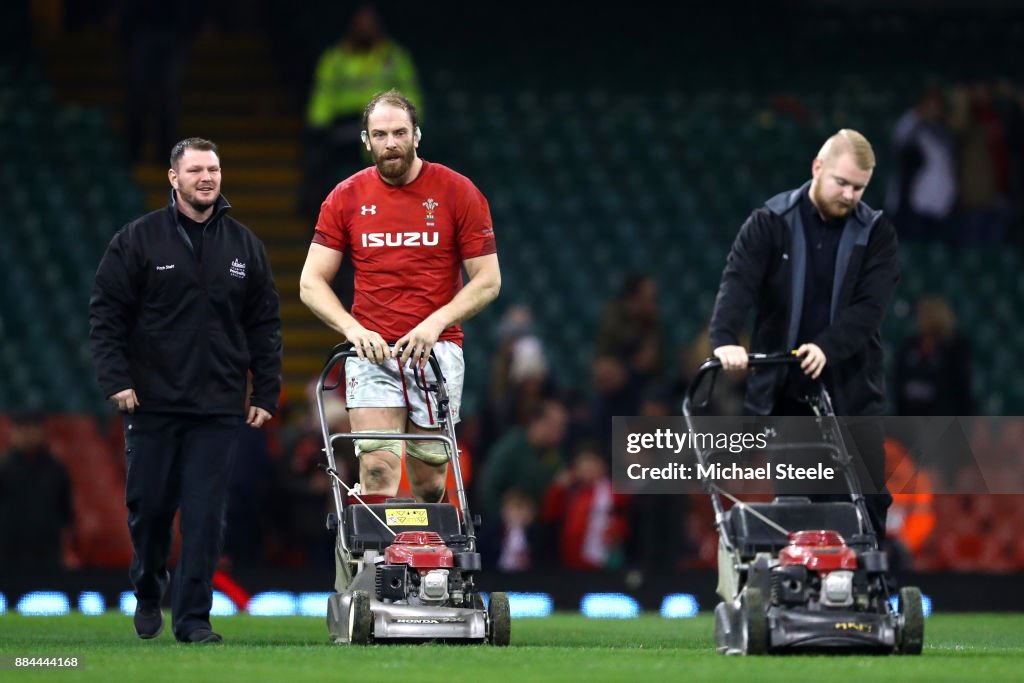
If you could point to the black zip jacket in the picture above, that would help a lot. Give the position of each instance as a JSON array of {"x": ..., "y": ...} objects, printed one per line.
[
  {"x": 766, "y": 269},
  {"x": 181, "y": 332}
]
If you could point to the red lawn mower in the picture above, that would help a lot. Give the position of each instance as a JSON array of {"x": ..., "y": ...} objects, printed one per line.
[
  {"x": 800, "y": 576},
  {"x": 406, "y": 570}
]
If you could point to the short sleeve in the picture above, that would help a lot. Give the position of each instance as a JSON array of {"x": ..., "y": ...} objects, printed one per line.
[
  {"x": 330, "y": 226},
  {"x": 475, "y": 228}
]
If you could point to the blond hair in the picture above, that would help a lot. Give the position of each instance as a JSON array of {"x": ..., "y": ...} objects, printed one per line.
[{"x": 848, "y": 141}]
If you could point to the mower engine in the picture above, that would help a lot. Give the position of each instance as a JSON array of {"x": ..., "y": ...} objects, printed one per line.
[
  {"x": 817, "y": 564},
  {"x": 418, "y": 568}
]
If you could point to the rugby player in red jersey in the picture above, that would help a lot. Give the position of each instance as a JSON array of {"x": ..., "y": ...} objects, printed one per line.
[{"x": 409, "y": 226}]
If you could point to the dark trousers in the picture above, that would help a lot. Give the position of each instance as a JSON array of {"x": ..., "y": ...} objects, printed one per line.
[
  {"x": 865, "y": 440},
  {"x": 178, "y": 461}
]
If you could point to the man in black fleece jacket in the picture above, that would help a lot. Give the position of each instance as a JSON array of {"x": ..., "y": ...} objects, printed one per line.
[
  {"x": 820, "y": 267},
  {"x": 183, "y": 309}
]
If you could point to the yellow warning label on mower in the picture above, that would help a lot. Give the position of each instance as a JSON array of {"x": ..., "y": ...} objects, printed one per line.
[{"x": 406, "y": 517}]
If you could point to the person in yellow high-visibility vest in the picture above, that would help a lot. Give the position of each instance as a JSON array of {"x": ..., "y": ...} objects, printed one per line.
[{"x": 349, "y": 73}]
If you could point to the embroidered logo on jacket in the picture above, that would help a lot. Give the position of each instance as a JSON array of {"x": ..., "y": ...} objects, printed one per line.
[{"x": 237, "y": 269}]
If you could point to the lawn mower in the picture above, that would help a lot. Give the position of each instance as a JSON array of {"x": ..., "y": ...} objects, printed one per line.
[
  {"x": 406, "y": 570},
  {"x": 802, "y": 576}
]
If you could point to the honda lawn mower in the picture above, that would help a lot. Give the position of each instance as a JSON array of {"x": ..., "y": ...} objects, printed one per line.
[
  {"x": 406, "y": 570},
  {"x": 802, "y": 576}
]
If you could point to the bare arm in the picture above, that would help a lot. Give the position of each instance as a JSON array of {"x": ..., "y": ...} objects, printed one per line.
[
  {"x": 482, "y": 288},
  {"x": 318, "y": 272},
  {"x": 322, "y": 264}
]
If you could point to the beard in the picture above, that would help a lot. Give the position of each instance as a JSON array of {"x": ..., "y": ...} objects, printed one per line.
[
  {"x": 193, "y": 200},
  {"x": 394, "y": 171},
  {"x": 829, "y": 209}
]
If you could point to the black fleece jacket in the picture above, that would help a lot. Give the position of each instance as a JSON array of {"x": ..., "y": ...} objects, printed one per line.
[
  {"x": 766, "y": 269},
  {"x": 181, "y": 331}
]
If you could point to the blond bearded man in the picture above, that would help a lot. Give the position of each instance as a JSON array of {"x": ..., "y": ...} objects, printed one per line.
[{"x": 819, "y": 267}]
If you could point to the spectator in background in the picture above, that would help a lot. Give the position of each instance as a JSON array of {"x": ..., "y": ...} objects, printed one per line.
[
  {"x": 628, "y": 364},
  {"x": 614, "y": 391},
  {"x": 922, "y": 192},
  {"x": 526, "y": 458},
  {"x": 35, "y": 500},
  {"x": 984, "y": 164},
  {"x": 656, "y": 401},
  {"x": 513, "y": 543},
  {"x": 349, "y": 73},
  {"x": 631, "y": 329},
  {"x": 932, "y": 374},
  {"x": 590, "y": 517},
  {"x": 519, "y": 375}
]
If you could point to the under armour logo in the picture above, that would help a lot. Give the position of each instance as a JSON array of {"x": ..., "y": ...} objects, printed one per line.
[{"x": 371, "y": 209}]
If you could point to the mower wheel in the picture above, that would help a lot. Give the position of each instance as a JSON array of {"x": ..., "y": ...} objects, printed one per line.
[
  {"x": 360, "y": 618},
  {"x": 500, "y": 618},
  {"x": 910, "y": 639},
  {"x": 754, "y": 620}
]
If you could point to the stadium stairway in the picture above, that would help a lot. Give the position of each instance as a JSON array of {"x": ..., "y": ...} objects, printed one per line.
[{"x": 233, "y": 93}]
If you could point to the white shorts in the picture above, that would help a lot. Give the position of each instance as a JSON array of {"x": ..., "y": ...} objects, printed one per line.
[{"x": 368, "y": 385}]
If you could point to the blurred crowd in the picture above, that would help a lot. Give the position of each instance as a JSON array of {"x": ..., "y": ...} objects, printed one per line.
[
  {"x": 535, "y": 458},
  {"x": 959, "y": 160}
]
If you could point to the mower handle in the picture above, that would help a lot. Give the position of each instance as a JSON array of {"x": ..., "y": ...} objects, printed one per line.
[
  {"x": 821, "y": 405},
  {"x": 713, "y": 365},
  {"x": 345, "y": 350}
]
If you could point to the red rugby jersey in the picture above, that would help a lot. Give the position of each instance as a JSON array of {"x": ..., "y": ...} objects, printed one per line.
[{"x": 407, "y": 243}]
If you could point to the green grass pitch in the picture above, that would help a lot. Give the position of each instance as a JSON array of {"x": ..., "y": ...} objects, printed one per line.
[{"x": 563, "y": 647}]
